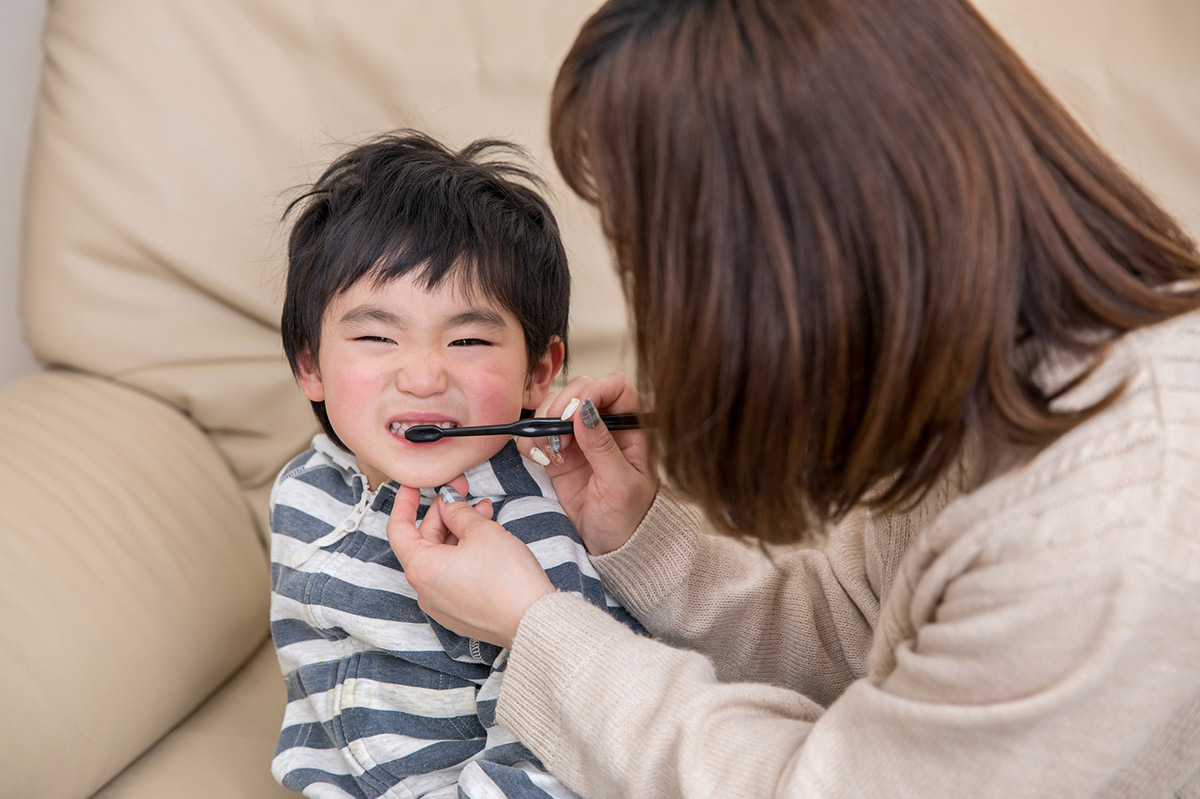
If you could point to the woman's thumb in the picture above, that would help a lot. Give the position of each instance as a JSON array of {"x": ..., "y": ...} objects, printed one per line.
[
  {"x": 597, "y": 442},
  {"x": 460, "y": 516}
]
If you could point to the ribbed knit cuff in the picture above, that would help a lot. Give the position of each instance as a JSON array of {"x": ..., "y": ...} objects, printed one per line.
[
  {"x": 656, "y": 558},
  {"x": 557, "y": 637}
]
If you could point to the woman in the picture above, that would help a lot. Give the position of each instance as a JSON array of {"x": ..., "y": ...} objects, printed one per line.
[{"x": 884, "y": 290}]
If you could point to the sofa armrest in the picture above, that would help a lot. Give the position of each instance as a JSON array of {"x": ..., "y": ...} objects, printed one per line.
[{"x": 131, "y": 575}]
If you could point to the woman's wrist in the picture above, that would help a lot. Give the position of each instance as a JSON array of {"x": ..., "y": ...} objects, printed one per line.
[
  {"x": 558, "y": 633},
  {"x": 622, "y": 526},
  {"x": 655, "y": 556},
  {"x": 534, "y": 595}
]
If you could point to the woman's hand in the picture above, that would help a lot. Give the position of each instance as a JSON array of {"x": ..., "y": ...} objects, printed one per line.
[
  {"x": 470, "y": 574},
  {"x": 604, "y": 481}
]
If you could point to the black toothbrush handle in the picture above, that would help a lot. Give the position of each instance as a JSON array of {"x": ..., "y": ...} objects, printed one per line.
[{"x": 527, "y": 428}]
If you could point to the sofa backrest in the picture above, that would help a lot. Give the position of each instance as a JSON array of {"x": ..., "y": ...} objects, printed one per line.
[
  {"x": 1130, "y": 72},
  {"x": 169, "y": 138}
]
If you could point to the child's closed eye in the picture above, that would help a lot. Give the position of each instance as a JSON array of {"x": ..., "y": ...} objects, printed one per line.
[
  {"x": 380, "y": 339},
  {"x": 470, "y": 342}
]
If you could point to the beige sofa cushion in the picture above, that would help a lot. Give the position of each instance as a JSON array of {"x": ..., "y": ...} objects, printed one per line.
[
  {"x": 223, "y": 750},
  {"x": 130, "y": 575}
]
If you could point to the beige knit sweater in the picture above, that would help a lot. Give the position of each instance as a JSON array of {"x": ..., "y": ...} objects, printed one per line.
[{"x": 1030, "y": 633}]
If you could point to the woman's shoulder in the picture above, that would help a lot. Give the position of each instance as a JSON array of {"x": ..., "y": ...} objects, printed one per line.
[
  {"x": 1154, "y": 417},
  {"x": 1050, "y": 585},
  {"x": 1165, "y": 361},
  {"x": 1123, "y": 481}
]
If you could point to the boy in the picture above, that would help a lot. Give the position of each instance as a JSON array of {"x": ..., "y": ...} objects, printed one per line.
[{"x": 424, "y": 287}]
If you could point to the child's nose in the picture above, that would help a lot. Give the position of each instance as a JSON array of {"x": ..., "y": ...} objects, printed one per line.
[{"x": 422, "y": 374}]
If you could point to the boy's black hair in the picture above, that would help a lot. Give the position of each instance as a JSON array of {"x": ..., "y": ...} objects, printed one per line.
[{"x": 403, "y": 203}]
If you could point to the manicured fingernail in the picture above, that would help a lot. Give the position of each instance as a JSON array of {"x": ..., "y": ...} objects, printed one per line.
[
  {"x": 589, "y": 414},
  {"x": 449, "y": 495},
  {"x": 555, "y": 444},
  {"x": 570, "y": 409},
  {"x": 536, "y": 454}
]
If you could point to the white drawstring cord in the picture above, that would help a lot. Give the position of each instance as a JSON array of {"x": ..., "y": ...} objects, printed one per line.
[{"x": 348, "y": 525}]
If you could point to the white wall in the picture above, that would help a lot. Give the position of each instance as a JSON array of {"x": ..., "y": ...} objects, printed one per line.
[{"x": 20, "y": 54}]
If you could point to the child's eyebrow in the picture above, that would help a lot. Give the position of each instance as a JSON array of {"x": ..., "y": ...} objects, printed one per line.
[
  {"x": 371, "y": 313},
  {"x": 476, "y": 316},
  {"x": 470, "y": 316}
]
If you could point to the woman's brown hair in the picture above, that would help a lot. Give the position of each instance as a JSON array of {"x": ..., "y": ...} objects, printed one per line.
[{"x": 838, "y": 223}]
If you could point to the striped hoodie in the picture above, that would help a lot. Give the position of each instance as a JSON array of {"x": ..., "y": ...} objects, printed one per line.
[{"x": 382, "y": 701}]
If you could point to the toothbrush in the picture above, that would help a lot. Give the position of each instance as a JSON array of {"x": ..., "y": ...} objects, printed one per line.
[{"x": 526, "y": 428}]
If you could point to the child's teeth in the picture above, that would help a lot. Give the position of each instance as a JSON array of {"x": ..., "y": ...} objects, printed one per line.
[{"x": 399, "y": 427}]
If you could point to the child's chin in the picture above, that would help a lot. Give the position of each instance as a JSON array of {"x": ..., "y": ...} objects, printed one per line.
[
  {"x": 442, "y": 466},
  {"x": 425, "y": 479}
]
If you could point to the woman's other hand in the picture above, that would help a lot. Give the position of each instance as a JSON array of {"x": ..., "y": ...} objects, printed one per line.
[
  {"x": 471, "y": 575},
  {"x": 602, "y": 478}
]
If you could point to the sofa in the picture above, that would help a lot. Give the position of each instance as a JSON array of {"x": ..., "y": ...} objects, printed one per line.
[{"x": 135, "y": 464}]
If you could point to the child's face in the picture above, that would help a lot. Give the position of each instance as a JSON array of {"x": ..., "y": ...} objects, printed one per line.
[{"x": 396, "y": 355}]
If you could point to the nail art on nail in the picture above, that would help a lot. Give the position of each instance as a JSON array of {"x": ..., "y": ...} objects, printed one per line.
[
  {"x": 589, "y": 414},
  {"x": 536, "y": 454},
  {"x": 555, "y": 447},
  {"x": 449, "y": 495},
  {"x": 570, "y": 409}
]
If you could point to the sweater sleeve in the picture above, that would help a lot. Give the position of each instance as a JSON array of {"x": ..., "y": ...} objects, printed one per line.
[
  {"x": 612, "y": 713},
  {"x": 720, "y": 596},
  {"x": 990, "y": 697}
]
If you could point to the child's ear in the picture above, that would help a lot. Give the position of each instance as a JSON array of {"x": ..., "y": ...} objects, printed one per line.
[
  {"x": 309, "y": 378},
  {"x": 543, "y": 372}
]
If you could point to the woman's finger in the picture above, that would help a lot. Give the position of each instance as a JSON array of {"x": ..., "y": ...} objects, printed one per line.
[
  {"x": 460, "y": 519},
  {"x": 406, "y": 538},
  {"x": 613, "y": 388},
  {"x": 547, "y": 450},
  {"x": 481, "y": 586}
]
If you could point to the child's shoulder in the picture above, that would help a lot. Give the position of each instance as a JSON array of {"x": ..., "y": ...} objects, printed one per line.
[
  {"x": 522, "y": 495},
  {"x": 322, "y": 462},
  {"x": 509, "y": 475}
]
